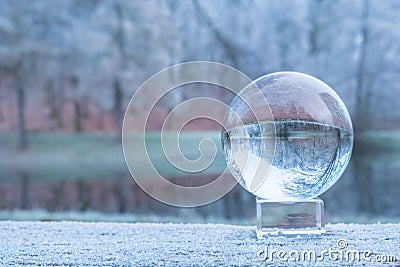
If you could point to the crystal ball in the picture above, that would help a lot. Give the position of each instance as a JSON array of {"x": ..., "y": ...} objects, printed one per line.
[{"x": 287, "y": 136}]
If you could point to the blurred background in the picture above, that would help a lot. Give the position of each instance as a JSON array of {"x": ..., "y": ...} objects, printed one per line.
[{"x": 68, "y": 69}]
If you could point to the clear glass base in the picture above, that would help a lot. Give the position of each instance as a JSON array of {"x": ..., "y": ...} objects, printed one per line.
[{"x": 290, "y": 218}]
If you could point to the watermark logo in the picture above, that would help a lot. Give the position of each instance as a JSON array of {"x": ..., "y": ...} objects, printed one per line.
[
  {"x": 145, "y": 168},
  {"x": 339, "y": 253},
  {"x": 341, "y": 243}
]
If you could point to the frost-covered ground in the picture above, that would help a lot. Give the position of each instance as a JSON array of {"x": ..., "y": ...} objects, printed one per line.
[{"x": 146, "y": 244}]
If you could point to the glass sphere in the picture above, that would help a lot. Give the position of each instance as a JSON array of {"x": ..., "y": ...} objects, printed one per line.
[{"x": 288, "y": 136}]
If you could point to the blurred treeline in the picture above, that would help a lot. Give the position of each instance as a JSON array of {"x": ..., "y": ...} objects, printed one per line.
[
  {"x": 71, "y": 66},
  {"x": 64, "y": 61}
]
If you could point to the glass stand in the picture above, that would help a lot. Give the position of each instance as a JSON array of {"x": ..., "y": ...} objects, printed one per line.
[{"x": 290, "y": 218}]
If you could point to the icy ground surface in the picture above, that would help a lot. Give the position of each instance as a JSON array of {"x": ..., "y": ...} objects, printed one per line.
[{"x": 145, "y": 244}]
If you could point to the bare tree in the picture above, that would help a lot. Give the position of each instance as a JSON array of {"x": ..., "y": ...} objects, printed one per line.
[
  {"x": 23, "y": 140},
  {"x": 77, "y": 105},
  {"x": 360, "y": 71},
  {"x": 55, "y": 101},
  {"x": 120, "y": 45},
  {"x": 17, "y": 68}
]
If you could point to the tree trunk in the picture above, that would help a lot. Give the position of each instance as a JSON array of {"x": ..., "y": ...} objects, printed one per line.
[
  {"x": 118, "y": 93},
  {"x": 78, "y": 117},
  {"x": 23, "y": 140},
  {"x": 100, "y": 120},
  {"x": 281, "y": 28},
  {"x": 359, "y": 87},
  {"x": 83, "y": 195},
  {"x": 24, "y": 190},
  {"x": 59, "y": 97},
  {"x": 363, "y": 175},
  {"x": 2, "y": 117},
  {"x": 54, "y": 103},
  {"x": 314, "y": 11},
  {"x": 120, "y": 194},
  {"x": 118, "y": 109},
  {"x": 77, "y": 106}
]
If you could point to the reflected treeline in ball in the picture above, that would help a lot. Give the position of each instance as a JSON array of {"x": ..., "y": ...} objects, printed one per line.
[
  {"x": 308, "y": 158},
  {"x": 313, "y": 155}
]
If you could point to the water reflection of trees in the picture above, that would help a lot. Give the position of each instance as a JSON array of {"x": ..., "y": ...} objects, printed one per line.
[{"x": 368, "y": 189}]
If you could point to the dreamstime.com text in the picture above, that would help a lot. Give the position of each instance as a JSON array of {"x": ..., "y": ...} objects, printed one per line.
[{"x": 338, "y": 253}]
